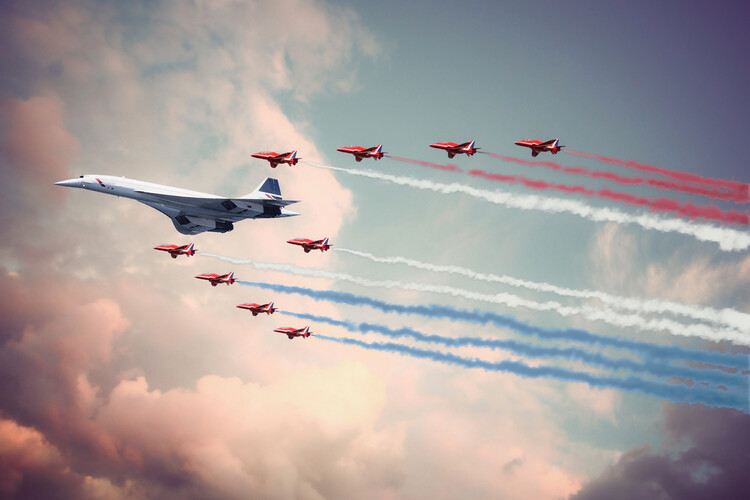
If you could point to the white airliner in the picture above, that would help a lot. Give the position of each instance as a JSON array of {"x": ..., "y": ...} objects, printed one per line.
[{"x": 192, "y": 212}]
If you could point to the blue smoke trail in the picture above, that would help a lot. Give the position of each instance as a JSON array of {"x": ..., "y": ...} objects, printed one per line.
[
  {"x": 649, "y": 351},
  {"x": 675, "y": 393},
  {"x": 534, "y": 351}
]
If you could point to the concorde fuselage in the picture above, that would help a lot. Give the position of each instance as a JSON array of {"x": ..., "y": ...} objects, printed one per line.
[{"x": 192, "y": 212}]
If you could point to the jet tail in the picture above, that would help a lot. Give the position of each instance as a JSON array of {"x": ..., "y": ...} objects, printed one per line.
[
  {"x": 269, "y": 188},
  {"x": 268, "y": 194}
]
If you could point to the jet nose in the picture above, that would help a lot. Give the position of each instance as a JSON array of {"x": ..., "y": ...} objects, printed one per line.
[{"x": 69, "y": 183}]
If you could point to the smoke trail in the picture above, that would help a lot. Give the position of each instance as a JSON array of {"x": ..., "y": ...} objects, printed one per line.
[
  {"x": 655, "y": 205},
  {"x": 449, "y": 168},
  {"x": 534, "y": 351},
  {"x": 649, "y": 351},
  {"x": 727, "y": 239},
  {"x": 739, "y": 187},
  {"x": 680, "y": 394},
  {"x": 510, "y": 300},
  {"x": 735, "y": 196},
  {"x": 728, "y": 317}
]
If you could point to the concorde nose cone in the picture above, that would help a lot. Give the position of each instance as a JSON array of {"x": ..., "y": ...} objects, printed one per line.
[{"x": 69, "y": 183}]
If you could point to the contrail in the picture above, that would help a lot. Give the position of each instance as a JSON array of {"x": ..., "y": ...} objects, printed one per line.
[
  {"x": 727, "y": 317},
  {"x": 739, "y": 187},
  {"x": 438, "y": 166},
  {"x": 676, "y": 393},
  {"x": 651, "y": 352},
  {"x": 654, "y": 204},
  {"x": 510, "y": 300},
  {"x": 718, "y": 194},
  {"x": 727, "y": 239},
  {"x": 535, "y": 351}
]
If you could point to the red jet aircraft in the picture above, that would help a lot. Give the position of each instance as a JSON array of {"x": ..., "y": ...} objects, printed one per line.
[
  {"x": 294, "y": 332},
  {"x": 175, "y": 250},
  {"x": 215, "y": 279},
  {"x": 258, "y": 308},
  {"x": 454, "y": 149},
  {"x": 308, "y": 245},
  {"x": 553, "y": 146},
  {"x": 359, "y": 152},
  {"x": 276, "y": 158}
]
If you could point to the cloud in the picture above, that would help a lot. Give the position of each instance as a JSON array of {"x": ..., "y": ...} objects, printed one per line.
[
  {"x": 29, "y": 464},
  {"x": 308, "y": 433},
  {"x": 312, "y": 432},
  {"x": 90, "y": 341},
  {"x": 36, "y": 150},
  {"x": 601, "y": 402},
  {"x": 680, "y": 275},
  {"x": 705, "y": 455},
  {"x": 34, "y": 141}
]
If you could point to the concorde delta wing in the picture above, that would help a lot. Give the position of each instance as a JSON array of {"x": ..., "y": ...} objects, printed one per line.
[
  {"x": 193, "y": 221},
  {"x": 197, "y": 215}
]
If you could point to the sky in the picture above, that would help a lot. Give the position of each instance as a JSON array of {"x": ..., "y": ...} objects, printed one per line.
[{"x": 512, "y": 341}]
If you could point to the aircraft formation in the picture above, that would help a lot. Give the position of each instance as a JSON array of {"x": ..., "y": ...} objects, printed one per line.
[
  {"x": 193, "y": 212},
  {"x": 376, "y": 152},
  {"x": 270, "y": 189},
  {"x": 229, "y": 279}
]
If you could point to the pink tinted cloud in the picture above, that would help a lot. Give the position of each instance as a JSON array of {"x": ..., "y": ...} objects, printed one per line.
[
  {"x": 310, "y": 430},
  {"x": 27, "y": 458},
  {"x": 258, "y": 436},
  {"x": 33, "y": 137}
]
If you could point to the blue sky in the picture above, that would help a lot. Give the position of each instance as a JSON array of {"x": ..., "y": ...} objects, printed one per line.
[{"x": 131, "y": 380}]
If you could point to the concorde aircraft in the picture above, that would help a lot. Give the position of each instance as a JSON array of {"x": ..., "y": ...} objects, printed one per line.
[{"x": 192, "y": 212}]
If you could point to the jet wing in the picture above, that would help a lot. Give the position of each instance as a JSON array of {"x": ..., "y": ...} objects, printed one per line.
[
  {"x": 269, "y": 202},
  {"x": 205, "y": 212},
  {"x": 190, "y": 223}
]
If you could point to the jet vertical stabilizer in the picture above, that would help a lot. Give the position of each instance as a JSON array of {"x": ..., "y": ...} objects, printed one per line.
[{"x": 267, "y": 189}]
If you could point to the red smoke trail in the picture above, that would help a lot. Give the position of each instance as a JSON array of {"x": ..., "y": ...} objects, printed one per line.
[
  {"x": 740, "y": 187},
  {"x": 735, "y": 196},
  {"x": 657, "y": 205},
  {"x": 449, "y": 168}
]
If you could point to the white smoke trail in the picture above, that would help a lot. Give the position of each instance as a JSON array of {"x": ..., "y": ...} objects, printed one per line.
[
  {"x": 510, "y": 300},
  {"x": 726, "y": 317},
  {"x": 727, "y": 239}
]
